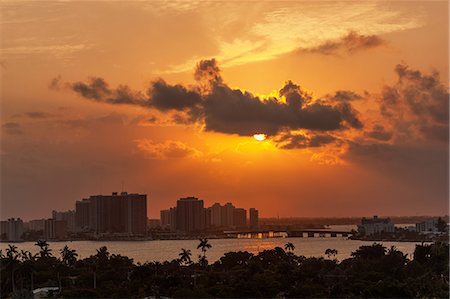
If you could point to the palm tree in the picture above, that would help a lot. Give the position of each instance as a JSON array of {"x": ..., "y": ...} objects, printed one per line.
[
  {"x": 69, "y": 256},
  {"x": 11, "y": 252},
  {"x": 45, "y": 251},
  {"x": 331, "y": 252},
  {"x": 27, "y": 256},
  {"x": 289, "y": 246},
  {"x": 204, "y": 245},
  {"x": 185, "y": 256}
]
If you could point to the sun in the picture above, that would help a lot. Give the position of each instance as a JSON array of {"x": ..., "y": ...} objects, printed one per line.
[{"x": 260, "y": 137}]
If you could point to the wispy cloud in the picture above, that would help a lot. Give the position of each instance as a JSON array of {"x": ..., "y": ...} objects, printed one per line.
[
  {"x": 169, "y": 149},
  {"x": 305, "y": 26}
]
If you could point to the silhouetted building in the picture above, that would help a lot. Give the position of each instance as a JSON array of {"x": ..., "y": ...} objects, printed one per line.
[
  {"x": 227, "y": 215},
  {"x": 11, "y": 230},
  {"x": 207, "y": 217},
  {"x": 36, "y": 225},
  {"x": 82, "y": 214},
  {"x": 375, "y": 225},
  {"x": 55, "y": 229},
  {"x": 239, "y": 218},
  {"x": 427, "y": 226},
  {"x": 216, "y": 215},
  {"x": 254, "y": 218},
  {"x": 168, "y": 219},
  {"x": 116, "y": 213},
  {"x": 153, "y": 223},
  {"x": 68, "y": 216},
  {"x": 190, "y": 215}
]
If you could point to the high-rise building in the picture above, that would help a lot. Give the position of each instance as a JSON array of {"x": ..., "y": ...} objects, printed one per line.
[
  {"x": 36, "y": 225},
  {"x": 68, "y": 216},
  {"x": 254, "y": 218},
  {"x": 136, "y": 213},
  {"x": 11, "y": 230},
  {"x": 190, "y": 215},
  {"x": 55, "y": 229},
  {"x": 116, "y": 213},
  {"x": 169, "y": 218},
  {"x": 239, "y": 218},
  {"x": 82, "y": 215},
  {"x": 227, "y": 215},
  {"x": 207, "y": 213},
  {"x": 216, "y": 215}
]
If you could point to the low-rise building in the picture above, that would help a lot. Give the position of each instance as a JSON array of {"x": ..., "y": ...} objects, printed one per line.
[
  {"x": 55, "y": 229},
  {"x": 427, "y": 226},
  {"x": 11, "y": 230},
  {"x": 375, "y": 225},
  {"x": 68, "y": 216}
]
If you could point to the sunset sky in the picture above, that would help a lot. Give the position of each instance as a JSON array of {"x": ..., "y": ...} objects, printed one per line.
[{"x": 165, "y": 97}]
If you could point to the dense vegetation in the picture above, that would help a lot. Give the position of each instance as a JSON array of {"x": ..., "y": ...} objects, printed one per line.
[{"x": 372, "y": 271}]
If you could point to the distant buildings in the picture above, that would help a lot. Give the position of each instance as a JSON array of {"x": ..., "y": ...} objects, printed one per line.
[
  {"x": 254, "y": 218},
  {"x": 239, "y": 218},
  {"x": 427, "y": 226},
  {"x": 168, "y": 219},
  {"x": 375, "y": 225},
  {"x": 82, "y": 215},
  {"x": 36, "y": 225},
  {"x": 190, "y": 215},
  {"x": 68, "y": 217},
  {"x": 12, "y": 230},
  {"x": 55, "y": 229},
  {"x": 112, "y": 214},
  {"x": 153, "y": 223}
]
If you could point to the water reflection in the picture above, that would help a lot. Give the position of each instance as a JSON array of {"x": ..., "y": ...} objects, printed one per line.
[{"x": 168, "y": 250}]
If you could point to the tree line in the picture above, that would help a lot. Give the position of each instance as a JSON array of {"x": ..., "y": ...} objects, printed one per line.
[{"x": 371, "y": 271}]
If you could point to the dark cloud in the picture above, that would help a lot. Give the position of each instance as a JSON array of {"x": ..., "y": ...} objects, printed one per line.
[
  {"x": 295, "y": 141},
  {"x": 350, "y": 43},
  {"x": 232, "y": 111},
  {"x": 227, "y": 110},
  {"x": 39, "y": 114},
  {"x": 417, "y": 102},
  {"x": 379, "y": 133},
  {"x": 344, "y": 96},
  {"x": 96, "y": 89},
  {"x": 172, "y": 97},
  {"x": 207, "y": 70},
  {"x": 12, "y": 128},
  {"x": 56, "y": 83}
]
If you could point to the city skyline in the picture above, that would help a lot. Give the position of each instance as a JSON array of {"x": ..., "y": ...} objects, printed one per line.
[{"x": 300, "y": 109}]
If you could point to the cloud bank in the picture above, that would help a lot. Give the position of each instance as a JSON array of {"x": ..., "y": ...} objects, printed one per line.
[
  {"x": 223, "y": 109},
  {"x": 412, "y": 110}
]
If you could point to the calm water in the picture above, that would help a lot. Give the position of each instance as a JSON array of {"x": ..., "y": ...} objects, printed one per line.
[{"x": 142, "y": 251}]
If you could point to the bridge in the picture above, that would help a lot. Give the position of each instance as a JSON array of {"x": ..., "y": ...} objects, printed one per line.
[{"x": 290, "y": 233}]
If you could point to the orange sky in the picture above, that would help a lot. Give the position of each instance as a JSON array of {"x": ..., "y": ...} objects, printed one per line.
[{"x": 362, "y": 129}]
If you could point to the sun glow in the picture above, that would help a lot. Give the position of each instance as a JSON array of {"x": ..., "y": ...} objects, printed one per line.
[{"x": 260, "y": 137}]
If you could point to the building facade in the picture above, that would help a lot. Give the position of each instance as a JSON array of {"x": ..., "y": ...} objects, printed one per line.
[
  {"x": 190, "y": 215},
  {"x": 375, "y": 225},
  {"x": 55, "y": 229},
  {"x": 253, "y": 218},
  {"x": 427, "y": 226},
  {"x": 12, "y": 230},
  {"x": 113, "y": 214},
  {"x": 239, "y": 218},
  {"x": 68, "y": 217}
]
